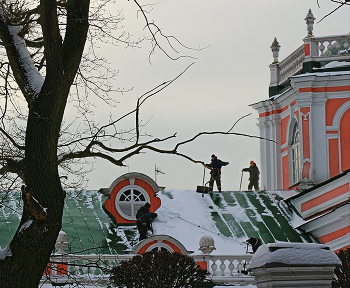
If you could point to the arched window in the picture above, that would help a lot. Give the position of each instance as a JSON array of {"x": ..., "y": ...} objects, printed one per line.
[
  {"x": 295, "y": 147},
  {"x": 159, "y": 247},
  {"x": 129, "y": 200}
]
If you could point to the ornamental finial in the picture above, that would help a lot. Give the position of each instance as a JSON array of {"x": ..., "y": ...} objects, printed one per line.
[
  {"x": 310, "y": 19},
  {"x": 275, "y": 48}
]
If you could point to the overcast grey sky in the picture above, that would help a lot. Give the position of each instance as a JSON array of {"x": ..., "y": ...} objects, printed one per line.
[{"x": 230, "y": 74}]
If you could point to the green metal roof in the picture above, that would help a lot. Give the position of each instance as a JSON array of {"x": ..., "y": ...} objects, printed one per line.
[
  {"x": 267, "y": 217},
  {"x": 90, "y": 231}
]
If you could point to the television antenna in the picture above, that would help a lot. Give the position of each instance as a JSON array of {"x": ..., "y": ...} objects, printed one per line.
[{"x": 156, "y": 172}]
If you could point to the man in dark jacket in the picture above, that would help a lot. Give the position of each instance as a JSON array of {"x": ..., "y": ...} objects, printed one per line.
[
  {"x": 253, "y": 176},
  {"x": 143, "y": 210},
  {"x": 215, "y": 172},
  {"x": 255, "y": 242},
  {"x": 144, "y": 223}
]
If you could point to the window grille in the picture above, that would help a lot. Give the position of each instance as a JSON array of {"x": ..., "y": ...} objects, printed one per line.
[{"x": 129, "y": 200}]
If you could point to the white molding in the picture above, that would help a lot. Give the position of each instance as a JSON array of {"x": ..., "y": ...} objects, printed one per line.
[
  {"x": 329, "y": 223},
  {"x": 297, "y": 202},
  {"x": 339, "y": 114},
  {"x": 338, "y": 95},
  {"x": 285, "y": 145},
  {"x": 135, "y": 175},
  {"x": 160, "y": 239},
  {"x": 332, "y": 128},
  {"x": 339, "y": 243},
  {"x": 284, "y": 153},
  {"x": 159, "y": 245},
  {"x": 332, "y": 136}
]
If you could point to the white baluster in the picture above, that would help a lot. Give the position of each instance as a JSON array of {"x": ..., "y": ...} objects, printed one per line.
[
  {"x": 53, "y": 269},
  {"x": 330, "y": 47},
  {"x": 93, "y": 269},
  {"x": 84, "y": 268},
  {"x": 222, "y": 267},
  {"x": 231, "y": 266},
  {"x": 346, "y": 46},
  {"x": 214, "y": 267},
  {"x": 338, "y": 46},
  {"x": 75, "y": 268},
  {"x": 239, "y": 267},
  {"x": 321, "y": 47}
]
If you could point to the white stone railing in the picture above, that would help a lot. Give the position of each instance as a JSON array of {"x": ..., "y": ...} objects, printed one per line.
[
  {"x": 291, "y": 65},
  {"x": 94, "y": 268},
  {"x": 329, "y": 43}
]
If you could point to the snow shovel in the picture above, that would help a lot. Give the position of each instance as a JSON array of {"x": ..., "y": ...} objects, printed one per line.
[{"x": 203, "y": 189}]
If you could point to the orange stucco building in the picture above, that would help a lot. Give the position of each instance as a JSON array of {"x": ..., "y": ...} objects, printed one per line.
[{"x": 307, "y": 114}]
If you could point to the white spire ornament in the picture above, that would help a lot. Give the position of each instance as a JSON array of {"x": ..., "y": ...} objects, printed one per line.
[
  {"x": 310, "y": 19},
  {"x": 275, "y": 48}
]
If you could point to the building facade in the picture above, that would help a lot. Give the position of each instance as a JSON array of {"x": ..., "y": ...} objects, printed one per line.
[{"x": 307, "y": 117}]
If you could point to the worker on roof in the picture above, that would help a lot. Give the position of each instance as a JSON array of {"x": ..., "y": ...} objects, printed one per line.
[
  {"x": 253, "y": 176},
  {"x": 144, "y": 223},
  {"x": 143, "y": 210},
  {"x": 215, "y": 167}
]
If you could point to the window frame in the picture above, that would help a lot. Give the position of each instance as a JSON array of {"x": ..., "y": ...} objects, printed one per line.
[
  {"x": 295, "y": 157},
  {"x": 132, "y": 202}
]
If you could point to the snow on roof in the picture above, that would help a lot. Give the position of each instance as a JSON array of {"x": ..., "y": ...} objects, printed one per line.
[
  {"x": 230, "y": 217},
  {"x": 289, "y": 254},
  {"x": 334, "y": 64},
  {"x": 320, "y": 74}
]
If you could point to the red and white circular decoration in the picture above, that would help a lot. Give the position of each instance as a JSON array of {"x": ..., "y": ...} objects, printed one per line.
[{"x": 127, "y": 194}]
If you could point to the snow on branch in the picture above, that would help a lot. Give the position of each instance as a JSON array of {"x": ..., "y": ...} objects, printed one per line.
[{"x": 34, "y": 80}]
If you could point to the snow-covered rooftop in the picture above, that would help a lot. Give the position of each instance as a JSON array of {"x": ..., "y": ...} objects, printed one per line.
[{"x": 230, "y": 217}]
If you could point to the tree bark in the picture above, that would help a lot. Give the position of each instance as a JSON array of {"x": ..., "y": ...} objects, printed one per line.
[{"x": 43, "y": 195}]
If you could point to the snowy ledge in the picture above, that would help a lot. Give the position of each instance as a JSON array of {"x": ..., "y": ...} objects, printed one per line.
[{"x": 286, "y": 254}]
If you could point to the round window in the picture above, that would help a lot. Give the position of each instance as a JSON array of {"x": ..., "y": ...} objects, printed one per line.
[{"x": 129, "y": 200}]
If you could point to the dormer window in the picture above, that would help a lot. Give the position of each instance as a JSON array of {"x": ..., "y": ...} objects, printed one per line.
[
  {"x": 129, "y": 200},
  {"x": 295, "y": 149}
]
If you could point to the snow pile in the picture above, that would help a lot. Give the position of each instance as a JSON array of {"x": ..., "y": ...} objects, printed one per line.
[
  {"x": 187, "y": 216},
  {"x": 5, "y": 253},
  {"x": 293, "y": 254}
]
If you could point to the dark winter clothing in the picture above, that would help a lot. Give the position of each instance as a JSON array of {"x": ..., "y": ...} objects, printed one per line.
[
  {"x": 144, "y": 223},
  {"x": 142, "y": 210},
  {"x": 217, "y": 180},
  {"x": 255, "y": 242},
  {"x": 253, "y": 176},
  {"x": 215, "y": 172}
]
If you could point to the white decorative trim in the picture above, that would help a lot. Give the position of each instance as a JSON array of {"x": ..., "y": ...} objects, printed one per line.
[
  {"x": 305, "y": 115},
  {"x": 332, "y": 128},
  {"x": 321, "y": 191},
  {"x": 284, "y": 153},
  {"x": 160, "y": 239},
  {"x": 339, "y": 114},
  {"x": 339, "y": 243},
  {"x": 285, "y": 145},
  {"x": 337, "y": 95},
  {"x": 135, "y": 175},
  {"x": 160, "y": 245},
  {"x": 329, "y": 223},
  {"x": 332, "y": 136}
]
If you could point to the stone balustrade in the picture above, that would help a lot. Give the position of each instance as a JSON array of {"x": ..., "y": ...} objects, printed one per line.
[
  {"x": 338, "y": 43},
  {"x": 95, "y": 268},
  {"x": 291, "y": 65}
]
